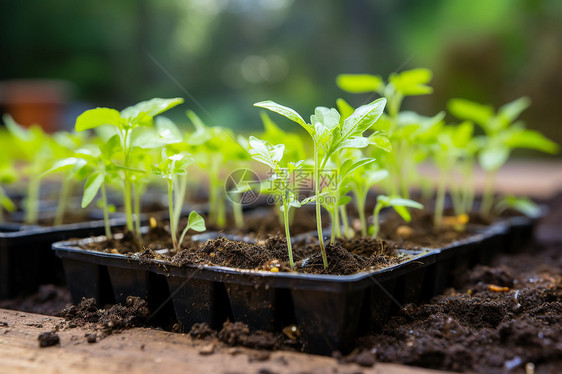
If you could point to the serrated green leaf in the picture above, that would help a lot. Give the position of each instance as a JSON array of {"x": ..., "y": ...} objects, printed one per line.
[
  {"x": 286, "y": 112},
  {"x": 149, "y": 108},
  {"x": 354, "y": 142},
  {"x": 266, "y": 153},
  {"x": 362, "y": 118},
  {"x": 329, "y": 117},
  {"x": 359, "y": 83}
]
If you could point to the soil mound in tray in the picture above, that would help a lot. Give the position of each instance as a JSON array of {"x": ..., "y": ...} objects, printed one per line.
[
  {"x": 421, "y": 232},
  {"x": 344, "y": 256}
]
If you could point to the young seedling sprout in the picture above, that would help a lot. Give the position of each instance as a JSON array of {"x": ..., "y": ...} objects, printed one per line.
[
  {"x": 271, "y": 155},
  {"x": 170, "y": 167},
  {"x": 36, "y": 148},
  {"x": 329, "y": 135},
  {"x": 399, "y": 126},
  {"x": 101, "y": 170},
  {"x": 64, "y": 144},
  {"x": 209, "y": 143},
  {"x": 501, "y": 136},
  {"x": 124, "y": 123},
  {"x": 399, "y": 204},
  {"x": 7, "y": 175},
  {"x": 452, "y": 145}
]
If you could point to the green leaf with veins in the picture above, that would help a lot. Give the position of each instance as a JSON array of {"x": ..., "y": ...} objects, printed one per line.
[
  {"x": 265, "y": 152},
  {"x": 195, "y": 222},
  {"x": 146, "y": 110},
  {"x": 286, "y": 112}
]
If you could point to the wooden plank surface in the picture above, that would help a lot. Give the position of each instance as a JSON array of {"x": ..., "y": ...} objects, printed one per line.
[{"x": 143, "y": 350}]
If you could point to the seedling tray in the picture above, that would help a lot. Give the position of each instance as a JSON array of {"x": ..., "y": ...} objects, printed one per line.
[
  {"x": 328, "y": 309},
  {"x": 26, "y": 258}
]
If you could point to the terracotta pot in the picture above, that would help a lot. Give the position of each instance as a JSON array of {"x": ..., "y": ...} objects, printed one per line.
[{"x": 35, "y": 101}]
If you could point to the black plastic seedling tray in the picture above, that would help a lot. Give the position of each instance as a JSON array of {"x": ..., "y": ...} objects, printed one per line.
[
  {"x": 26, "y": 258},
  {"x": 326, "y": 308},
  {"x": 330, "y": 311}
]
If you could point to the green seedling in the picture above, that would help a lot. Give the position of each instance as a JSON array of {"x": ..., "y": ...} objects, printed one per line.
[
  {"x": 345, "y": 178},
  {"x": 360, "y": 183},
  {"x": 100, "y": 170},
  {"x": 8, "y": 175},
  {"x": 337, "y": 194},
  {"x": 35, "y": 148},
  {"x": 273, "y": 133},
  {"x": 501, "y": 135},
  {"x": 330, "y": 135},
  {"x": 521, "y": 204},
  {"x": 237, "y": 159},
  {"x": 64, "y": 145},
  {"x": 279, "y": 183},
  {"x": 400, "y": 127},
  {"x": 399, "y": 204},
  {"x": 170, "y": 167},
  {"x": 453, "y": 146},
  {"x": 210, "y": 144},
  {"x": 125, "y": 123}
]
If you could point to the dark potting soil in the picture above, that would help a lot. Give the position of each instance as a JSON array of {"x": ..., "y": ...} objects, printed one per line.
[
  {"x": 104, "y": 321},
  {"x": 421, "y": 232},
  {"x": 498, "y": 319},
  {"x": 238, "y": 334},
  {"x": 49, "y": 300},
  {"x": 345, "y": 256}
]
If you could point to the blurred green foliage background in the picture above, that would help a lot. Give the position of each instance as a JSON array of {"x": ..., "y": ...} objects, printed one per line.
[{"x": 229, "y": 54}]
